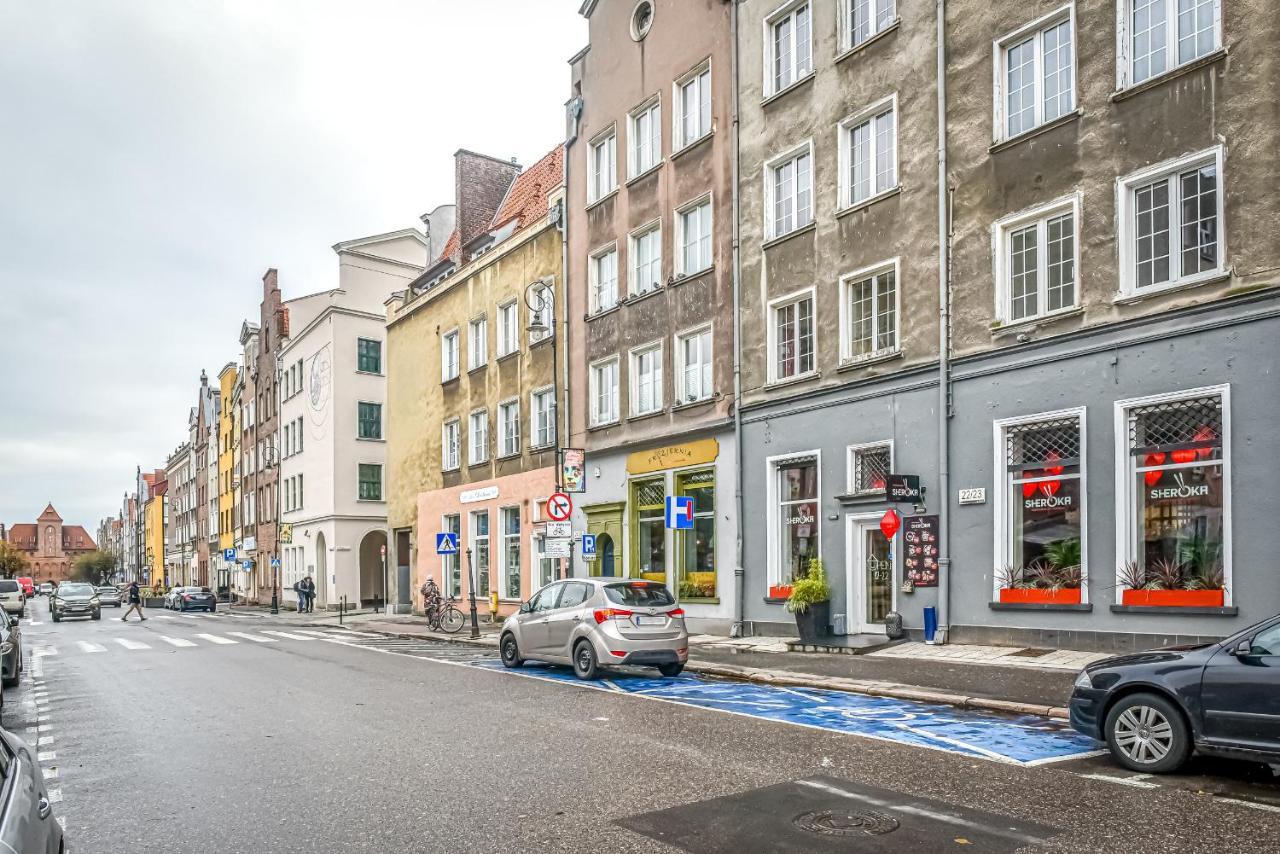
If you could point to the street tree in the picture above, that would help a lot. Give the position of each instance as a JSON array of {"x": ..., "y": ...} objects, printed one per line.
[
  {"x": 94, "y": 567},
  {"x": 13, "y": 563}
]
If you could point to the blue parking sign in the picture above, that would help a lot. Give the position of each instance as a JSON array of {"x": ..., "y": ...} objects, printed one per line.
[
  {"x": 680, "y": 512},
  {"x": 588, "y": 545},
  {"x": 446, "y": 543},
  {"x": 229, "y": 555}
]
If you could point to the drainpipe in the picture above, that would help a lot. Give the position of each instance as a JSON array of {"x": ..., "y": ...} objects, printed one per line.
[
  {"x": 944, "y": 345},
  {"x": 739, "y": 571},
  {"x": 564, "y": 282}
]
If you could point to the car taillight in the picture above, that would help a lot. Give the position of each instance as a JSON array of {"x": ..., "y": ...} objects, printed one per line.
[
  {"x": 676, "y": 612},
  {"x": 603, "y": 614},
  {"x": 186, "y": 596}
]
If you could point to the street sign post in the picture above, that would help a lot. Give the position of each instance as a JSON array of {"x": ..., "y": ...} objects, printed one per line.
[
  {"x": 680, "y": 512},
  {"x": 559, "y": 530},
  {"x": 559, "y": 507},
  {"x": 589, "y": 546},
  {"x": 446, "y": 543},
  {"x": 275, "y": 563}
]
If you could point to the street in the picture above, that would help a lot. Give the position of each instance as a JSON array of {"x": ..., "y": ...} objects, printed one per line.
[{"x": 247, "y": 733}]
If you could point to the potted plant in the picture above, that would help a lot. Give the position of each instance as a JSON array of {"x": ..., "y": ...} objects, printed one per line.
[
  {"x": 810, "y": 601},
  {"x": 1175, "y": 583},
  {"x": 1054, "y": 580}
]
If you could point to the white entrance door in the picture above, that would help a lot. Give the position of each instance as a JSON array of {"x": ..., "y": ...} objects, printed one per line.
[{"x": 869, "y": 575}]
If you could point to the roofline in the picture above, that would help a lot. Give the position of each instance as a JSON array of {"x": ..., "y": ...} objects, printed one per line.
[
  {"x": 229, "y": 366},
  {"x": 587, "y": 7},
  {"x": 577, "y": 56},
  {"x": 331, "y": 309},
  {"x": 354, "y": 243},
  {"x": 514, "y": 163}
]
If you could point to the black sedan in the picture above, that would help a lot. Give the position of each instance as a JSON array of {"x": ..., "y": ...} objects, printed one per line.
[
  {"x": 27, "y": 823},
  {"x": 1219, "y": 699},
  {"x": 191, "y": 599}
]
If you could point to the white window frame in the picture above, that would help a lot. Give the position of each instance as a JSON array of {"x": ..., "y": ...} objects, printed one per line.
[
  {"x": 851, "y": 452},
  {"x": 446, "y": 351},
  {"x": 1000, "y": 79},
  {"x": 772, "y": 464},
  {"x": 1126, "y": 527},
  {"x": 688, "y": 208},
  {"x": 504, "y": 438},
  {"x": 477, "y": 451},
  {"x": 1002, "y": 532},
  {"x": 772, "y": 336},
  {"x": 536, "y": 442},
  {"x": 594, "y": 391},
  {"x": 451, "y": 455},
  {"x": 786, "y": 10},
  {"x": 593, "y": 276},
  {"x": 508, "y": 328},
  {"x": 772, "y": 165},
  {"x": 846, "y": 22},
  {"x": 651, "y": 107},
  {"x": 844, "y": 136},
  {"x": 1124, "y": 42},
  {"x": 633, "y": 383},
  {"x": 679, "y": 141},
  {"x": 595, "y": 172},
  {"x": 654, "y": 227},
  {"x": 706, "y": 364},
  {"x": 1039, "y": 216},
  {"x": 846, "y": 320},
  {"x": 1125, "y": 187},
  {"x": 478, "y": 342}
]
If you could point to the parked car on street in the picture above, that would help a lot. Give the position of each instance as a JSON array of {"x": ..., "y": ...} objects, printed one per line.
[
  {"x": 191, "y": 599},
  {"x": 46, "y": 588},
  {"x": 12, "y": 599},
  {"x": 591, "y": 623},
  {"x": 109, "y": 595},
  {"x": 11, "y": 660},
  {"x": 27, "y": 823},
  {"x": 75, "y": 599},
  {"x": 1153, "y": 709},
  {"x": 28, "y": 586}
]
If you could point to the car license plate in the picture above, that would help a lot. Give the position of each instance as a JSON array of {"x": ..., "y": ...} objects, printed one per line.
[{"x": 643, "y": 620}]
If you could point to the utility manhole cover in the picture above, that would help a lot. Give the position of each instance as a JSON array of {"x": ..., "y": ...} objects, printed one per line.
[{"x": 844, "y": 823}]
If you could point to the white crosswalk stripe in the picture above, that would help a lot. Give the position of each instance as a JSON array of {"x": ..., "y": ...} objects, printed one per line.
[
  {"x": 164, "y": 617},
  {"x": 132, "y": 644},
  {"x": 288, "y": 635},
  {"x": 254, "y": 638},
  {"x": 316, "y": 634},
  {"x": 92, "y": 647},
  {"x": 217, "y": 639},
  {"x": 177, "y": 641}
]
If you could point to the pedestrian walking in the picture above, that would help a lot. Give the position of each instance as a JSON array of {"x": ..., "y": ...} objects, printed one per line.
[
  {"x": 134, "y": 597},
  {"x": 302, "y": 597},
  {"x": 309, "y": 594}
]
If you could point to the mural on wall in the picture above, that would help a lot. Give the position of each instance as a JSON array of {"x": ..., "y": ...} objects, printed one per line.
[{"x": 320, "y": 391}]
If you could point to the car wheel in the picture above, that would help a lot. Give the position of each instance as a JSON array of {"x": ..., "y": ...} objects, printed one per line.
[
  {"x": 671, "y": 670},
  {"x": 213, "y": 609},
  {"x": 585, "y": 665},
  {"x": 1146, "y": 732},
  {"x": 510, "y": 651}
]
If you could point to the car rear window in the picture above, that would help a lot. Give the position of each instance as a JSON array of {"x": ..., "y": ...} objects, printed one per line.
[
  {"x": 8, "y": 585},
  {"x": 639, "y": 594}
]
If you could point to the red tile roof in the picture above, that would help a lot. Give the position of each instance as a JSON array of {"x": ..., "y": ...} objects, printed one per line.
[
  {"x": 526, "y": 201},
  {"x": 73, "y": 534},
  {"x": 451, "y": 247}
]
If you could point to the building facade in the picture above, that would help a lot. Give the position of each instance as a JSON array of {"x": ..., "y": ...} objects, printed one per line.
[
  {"x": 155, "y": 527},
  {"x": 204, "y": 450},
  {"x": 228, "y": 440},
  {"x": 180, "y": 551},
  {"x": 650, "y": 227},
  {"x": 49, "y": 546},
  {"x": 247, "y": 459},
  {"x": 273, "y": 329}
]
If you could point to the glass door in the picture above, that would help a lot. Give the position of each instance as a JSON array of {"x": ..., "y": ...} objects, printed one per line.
[{"x": 869, "y": 575}]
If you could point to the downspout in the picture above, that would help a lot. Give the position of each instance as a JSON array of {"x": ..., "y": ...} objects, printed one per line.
[
  {"x": 739, "y": 571},
  {"x": 944, "y": 344},
  {"x": 564, "y": 285}
]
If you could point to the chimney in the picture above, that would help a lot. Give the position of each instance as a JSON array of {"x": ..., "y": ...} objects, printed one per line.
[{"x": 481, "y": 183}]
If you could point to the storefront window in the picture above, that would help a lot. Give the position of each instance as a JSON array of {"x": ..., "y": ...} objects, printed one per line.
[
  {"x": 452, "y": 567},
  {"x": 697, "y": 570},
  {"x": 545, "y": 567},
  {"x": 510, "y": 552},
  {"x": 797, "y": 491},
  {"x": 648, "y": 499},
  {"x": 480, "y": 551}
]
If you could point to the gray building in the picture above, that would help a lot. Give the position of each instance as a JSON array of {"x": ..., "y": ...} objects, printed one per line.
[{"x": 1092, "y": 439}]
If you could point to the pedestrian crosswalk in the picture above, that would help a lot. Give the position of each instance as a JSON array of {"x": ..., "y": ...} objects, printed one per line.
[{"x": 201, "y": 639}]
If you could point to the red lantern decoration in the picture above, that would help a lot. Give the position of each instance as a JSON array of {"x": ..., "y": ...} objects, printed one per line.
[
  {"x": 1028, "y": 490},
  {"x": 890, "y": 523},
  {"x": 1183, "y": 456},
  {"x": 1205, "y": 434},
  {"x": 1155, "y": 459},
  {"x": 1055, "y": 470}
]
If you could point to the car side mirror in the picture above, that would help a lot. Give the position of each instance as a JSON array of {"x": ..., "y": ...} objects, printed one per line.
[
  {"x": 526, "y": 608},
  {"x": 1244, "y": 649},
  {"x": 13, "y": 620}
]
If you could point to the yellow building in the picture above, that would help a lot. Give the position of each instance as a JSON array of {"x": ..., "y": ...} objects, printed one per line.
[
  {"x": 226, "y": 457},
  {"x": 154, "y": 520}
]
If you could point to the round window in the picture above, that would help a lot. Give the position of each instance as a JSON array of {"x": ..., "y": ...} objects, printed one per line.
[{"x": 641, "y": 19}]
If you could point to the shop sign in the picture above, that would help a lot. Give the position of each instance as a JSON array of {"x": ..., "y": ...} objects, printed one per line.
[
  {"x": 484, "y": 493},
  {"x": 673, "y": 456},
  {"x": 556, "y": 547},
  {"x": 904, "y": 487},
  {"x": 573, "y": 470},
  {"x": 921, "y": 542},
  {"x": 249, "y": 544},
  {"x": 1179, "y": 490},
  {"x": 974, "y": 495}
]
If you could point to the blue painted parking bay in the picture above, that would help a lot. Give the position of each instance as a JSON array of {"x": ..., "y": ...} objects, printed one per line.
[{"x": 1022, "y": 740}]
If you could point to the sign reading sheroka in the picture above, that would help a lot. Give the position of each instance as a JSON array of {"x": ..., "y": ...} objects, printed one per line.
[{"x": 903, "y": 487}]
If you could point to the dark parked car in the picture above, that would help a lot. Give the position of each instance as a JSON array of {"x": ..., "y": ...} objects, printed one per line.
[
  {"x": 27, "y": 823},
  {"x": 109, "y": 595},
  {"x": 75, "y": 599},
  {"x": 191, "y": 599},
  {"x": 11, "y": 661},
  {"x": 1219, "y": 699}
]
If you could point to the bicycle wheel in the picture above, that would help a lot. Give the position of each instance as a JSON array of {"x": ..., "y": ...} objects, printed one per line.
[{"x": 452, "y": 620}]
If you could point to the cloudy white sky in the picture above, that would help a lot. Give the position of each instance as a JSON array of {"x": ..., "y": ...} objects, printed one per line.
[{"x": 158, "y": 155}]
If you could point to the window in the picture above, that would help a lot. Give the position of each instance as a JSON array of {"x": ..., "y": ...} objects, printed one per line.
[
  {"x": 1035, "y": 81},
  {"x": 510, "y": 552},
  {"x": 449, "y": 441},
  {"x": 542, "y": 318},
  {"x": 370, "y": 482},
  {"x": 694, "y": 352},
  {"x": 604, "y": 280},
  {"x": 789, "y": 192},
  {"x": 1173, "y": 534},
  {"x": 1041, "y": 536},
  {"x": 449, "y": 356},
  {"x": 645, "y": 148},
  {"x": 869, "y": 467},
  {"x": 480, "y": 551},
  {"x": 478, "y": 343},
  {"x": 693, "y": 235},
  {"x": 696, "y": 548},
  {"x": 509, "y": 427},
  {"x": 693, "y": 107},
  {"x": 478, "y": 449},
  {"x": 370, "y": 420},
  {"x": 1170, "y": 231},
  {"x": 788, "y": 48},
  {"x": 796, "y": 525},
  {"x": 450, "y": 565},
  {"x": 869, "y": 153},
  {"x": 604, "y": 166},
  {"x": 646, "y": 259},
  {"x": 508, "y": 328},
  {"x": 865, "y": 18},
  {"x": 604, "y": 392},
  {"x": 368, "y": 356},
  {"x": 542, "y": 419},
  {"x": 646, "y": 379},
  {"x": 870, "y": 313},
  {"x": 1036, "y": 261},
  {"x": 1156, "y": 36},
  {"x": 648, "y": 503},
  {"x": 546, "y": 566},
  {"x": 791, "y": 331}
]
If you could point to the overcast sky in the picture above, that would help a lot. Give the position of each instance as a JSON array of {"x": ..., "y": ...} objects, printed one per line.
[{"x": 158, "y": 155}]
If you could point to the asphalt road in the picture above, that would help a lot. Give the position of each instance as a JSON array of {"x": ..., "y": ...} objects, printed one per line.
[{"x": 211, "y": 734}]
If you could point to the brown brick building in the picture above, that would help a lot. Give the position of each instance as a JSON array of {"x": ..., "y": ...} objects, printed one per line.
[{"x": 50, "y": 546}]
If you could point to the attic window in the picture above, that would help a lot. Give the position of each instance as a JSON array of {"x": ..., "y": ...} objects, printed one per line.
[{"x": 641, "y": 19}]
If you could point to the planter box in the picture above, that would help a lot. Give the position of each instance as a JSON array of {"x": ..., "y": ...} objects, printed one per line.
[
  {"x": 1040, "y": 596},
  {"x": 1176, "y": 598},
  {"x": 780, "y": 591},
  {"x": 152, "y": 602},
  {"x": 813, "y": 623}
]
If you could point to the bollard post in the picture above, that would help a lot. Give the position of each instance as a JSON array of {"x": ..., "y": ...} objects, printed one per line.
[{"x": 342, "y": 608}]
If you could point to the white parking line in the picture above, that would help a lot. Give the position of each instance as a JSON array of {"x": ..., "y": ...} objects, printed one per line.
[
  {"x": 131, "y": 644},
  {"x": 91, "y": 647},
  {"x": 254, "y": 638},
  {"x": 49, "y": 773},
  {"x": 176, "y": 641},
  {"x": 216, "y": 639},
  {"x": 1137, "y": 782},
  {"x": 46, "y": 756},
  {"x": 55, "y": 796},
  {"x": 288, "y": 635}
]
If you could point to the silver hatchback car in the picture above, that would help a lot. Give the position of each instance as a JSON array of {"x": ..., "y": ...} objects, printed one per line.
[{"x": 592, "y": 623}]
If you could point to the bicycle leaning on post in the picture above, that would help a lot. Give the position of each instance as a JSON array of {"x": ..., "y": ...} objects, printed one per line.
[{"x": 444, "y": 616}]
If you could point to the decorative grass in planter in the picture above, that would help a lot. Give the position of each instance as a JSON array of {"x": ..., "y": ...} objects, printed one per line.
[
  {"x": 1176, "y": 598},
  {"x": 1041, "y": 595}
]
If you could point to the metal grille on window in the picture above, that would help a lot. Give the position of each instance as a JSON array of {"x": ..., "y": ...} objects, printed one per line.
[
  {"x": 651, "y": 493},
  {"x": 1178, "y": 425},
  {"x": 1043, "y": 444},
  {"x": 871, "y": 469}
]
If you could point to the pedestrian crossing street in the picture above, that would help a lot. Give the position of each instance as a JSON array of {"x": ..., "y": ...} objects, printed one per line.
[{"x": 200, "y": 639}]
